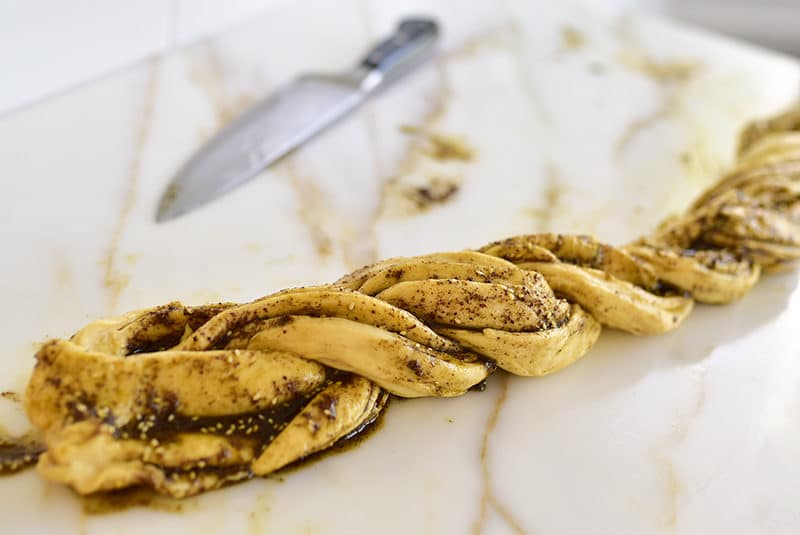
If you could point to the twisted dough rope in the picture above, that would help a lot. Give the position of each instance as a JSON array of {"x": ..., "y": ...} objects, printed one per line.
[{"x": 218, "y": 393}]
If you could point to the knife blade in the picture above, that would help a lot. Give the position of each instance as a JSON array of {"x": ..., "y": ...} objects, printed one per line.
[{"x": 282, "y": 122}]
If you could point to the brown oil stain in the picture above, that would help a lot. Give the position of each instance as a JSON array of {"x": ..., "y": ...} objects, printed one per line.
[
  {"x": 254, "y": 247},
  {"x": 256, "y": 519},
  {"x": 103, "y": 503},
  {"x": 339, "y": 447},
  {"x": 572, "y": 39},
  {"x": 410, "y": 199},
  {"x": 427, "y": 148},
  {"x": 488, "y": 499},
  {"x": 411, "y": 158},
  {"x": 13, "y": 397},
  {"x": 113, "y": 280},
  {"x": 133, "y": 258},
  {"x": 671, "y": 71},
  {"x": 314, "y": 211},
  {"x": 445, "y": 147},
  {"x": 439, "y": 146},
  {"x": 439, "y": 190}
]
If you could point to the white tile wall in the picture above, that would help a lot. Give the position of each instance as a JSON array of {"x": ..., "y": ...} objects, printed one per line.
[
  {"x": 771, "y": 23},
  {"x": 198, "y": 18},
  {"x": 48, "y": 46}
]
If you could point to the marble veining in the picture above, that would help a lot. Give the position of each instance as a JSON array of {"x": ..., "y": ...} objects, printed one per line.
[
  {"x": 114, "y": 280},
  {"x": 488, "y": 499},
  {"x": 536, "y": 116}
]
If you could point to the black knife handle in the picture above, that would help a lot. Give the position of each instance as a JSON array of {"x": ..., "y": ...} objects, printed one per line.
[{"x": 411, "y": 43}]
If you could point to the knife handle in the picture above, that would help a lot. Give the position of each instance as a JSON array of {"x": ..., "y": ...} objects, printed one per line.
[{"x": 411, "y": 43}]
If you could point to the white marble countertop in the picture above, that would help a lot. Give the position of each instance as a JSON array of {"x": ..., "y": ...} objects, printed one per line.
[{"x": 578, "y": 119}]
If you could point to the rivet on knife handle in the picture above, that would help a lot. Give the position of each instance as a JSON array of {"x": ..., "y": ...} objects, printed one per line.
[{"x": 411, "y": 43}]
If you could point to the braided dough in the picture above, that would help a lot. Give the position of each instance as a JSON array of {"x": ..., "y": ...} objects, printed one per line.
[{"x": 185, "y": 399}]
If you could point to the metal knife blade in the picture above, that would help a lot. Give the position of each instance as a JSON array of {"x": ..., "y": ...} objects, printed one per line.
[{"x": 284, "y": 121}]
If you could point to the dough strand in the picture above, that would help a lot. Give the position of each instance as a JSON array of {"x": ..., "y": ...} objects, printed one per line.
[{"x": 186, "y": 399}]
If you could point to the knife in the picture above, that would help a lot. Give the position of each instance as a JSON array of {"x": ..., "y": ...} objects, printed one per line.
[{"x": 286, "y": 120}]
